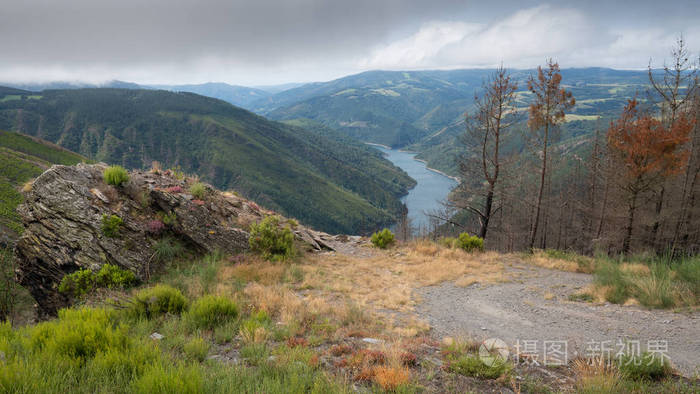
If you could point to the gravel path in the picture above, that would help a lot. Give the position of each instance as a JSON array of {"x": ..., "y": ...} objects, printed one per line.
[{"x": 535, "y": 307}]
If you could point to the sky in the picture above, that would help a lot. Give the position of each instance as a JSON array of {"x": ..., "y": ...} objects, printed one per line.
[{"x": 267, "y": 42}]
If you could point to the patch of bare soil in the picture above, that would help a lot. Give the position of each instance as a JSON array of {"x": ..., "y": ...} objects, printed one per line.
[{"x": 534, "y": 307}]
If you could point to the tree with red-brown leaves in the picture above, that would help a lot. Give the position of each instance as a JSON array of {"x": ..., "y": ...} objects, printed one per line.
[{"x": 646, "y": 151}]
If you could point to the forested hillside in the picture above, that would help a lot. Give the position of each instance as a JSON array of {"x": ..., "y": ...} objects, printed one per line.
[
  {"x": 21, "y": 159},
  {"x": 424, "y": 111},
  {"x": 334, "y": 186}
]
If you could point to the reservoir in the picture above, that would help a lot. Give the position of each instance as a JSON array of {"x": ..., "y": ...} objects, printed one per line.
[{"x": 431, "y": 188}]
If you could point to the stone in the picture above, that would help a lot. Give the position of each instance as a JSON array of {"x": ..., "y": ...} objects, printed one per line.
[
  {"x": 62, "y": 216},
  {"x": 156, "y": 336}
]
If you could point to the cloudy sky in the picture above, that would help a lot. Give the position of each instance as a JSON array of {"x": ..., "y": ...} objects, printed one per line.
[{"x": 260, "y": 42}]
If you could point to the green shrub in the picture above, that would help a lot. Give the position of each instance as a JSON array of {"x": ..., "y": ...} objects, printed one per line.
[
  {"x": 198, "y": 190},
  {"x": 78, "y": 283},
  {"x": 113, "y": 277},
  {"x": 196, "y": 349},
  {"x": 79, "y": 334},
  {"x": 471, "y": 365},
  {"x": 211, "y": 311},
  {"x": 84, "y": 281},
  {"x": 111, "y": 225},
  {"x": 168, "y": 219},
  {"x": 647, "y": 366},
  {"x": 159, "y": 379},
  {"x": 382, "y": 239},
  {"x": 167, "y": 249},
  {"x": 158, "y": 300},
  {"x": 470, "y": 243},
  {"x": 270, "y": 240},
  {"x": 115, "y": 175}
]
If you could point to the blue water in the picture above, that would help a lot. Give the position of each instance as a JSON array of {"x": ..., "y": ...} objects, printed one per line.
[{"x": 431, "y": 189}]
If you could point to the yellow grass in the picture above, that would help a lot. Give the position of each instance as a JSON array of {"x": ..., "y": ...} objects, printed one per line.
[
  {"x": 541, "y": 260},
  {"x": 388, "y": 279},
  {"x": 635, "y": 268},
  {"x": 596, "y": 375}
]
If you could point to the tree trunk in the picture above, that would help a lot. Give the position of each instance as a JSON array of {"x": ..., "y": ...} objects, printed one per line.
[
  {"x": 630, "y": 223},
  {"x": 487, "y": 212},
  {"x": 541, "y": 192}
]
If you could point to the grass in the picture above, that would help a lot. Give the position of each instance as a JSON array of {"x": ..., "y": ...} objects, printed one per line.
[
  {"x": 388, "y": 280},
  {"x": 212, "y": 311},
  {"x": 652, "y": 281},
  {"x": 463, "y": 358},
  {"x": 115, "y": 175},
  {"x": 287, "y": 339}
]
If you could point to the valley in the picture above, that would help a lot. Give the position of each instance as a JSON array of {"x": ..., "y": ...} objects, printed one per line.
[{"x": 431, "y": 188}]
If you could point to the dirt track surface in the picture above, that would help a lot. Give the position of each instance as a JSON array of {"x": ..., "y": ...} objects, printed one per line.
[{"x": 535, "y": 307}]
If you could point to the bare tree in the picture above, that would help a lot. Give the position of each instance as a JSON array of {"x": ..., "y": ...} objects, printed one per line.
[
  {"x": 481, "y": 165},
  {"x": 676, "y": 87},
  {"x": 546, "y": 113}
]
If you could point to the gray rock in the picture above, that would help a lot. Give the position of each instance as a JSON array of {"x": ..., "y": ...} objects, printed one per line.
[
  {"x": 62, "y": 215},
  {"x": 156, "y": 336}
]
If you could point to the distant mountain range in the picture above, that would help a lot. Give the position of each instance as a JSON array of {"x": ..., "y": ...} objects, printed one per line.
[
  {"x": 324, "y": 179},
  {"x": 421, "y": 111}
]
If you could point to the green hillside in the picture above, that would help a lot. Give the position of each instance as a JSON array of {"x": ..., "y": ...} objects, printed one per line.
[
  {"x": 330, "y": 185},
  {"x": 423, "y": 110},
  {"x": 21, "y": 159}
]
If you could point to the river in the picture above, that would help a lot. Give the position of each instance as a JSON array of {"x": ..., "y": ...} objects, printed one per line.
[{"x": 431, "y": 188}]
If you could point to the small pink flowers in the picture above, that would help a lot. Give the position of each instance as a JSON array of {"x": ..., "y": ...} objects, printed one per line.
[{"x": 155, "y": 226}]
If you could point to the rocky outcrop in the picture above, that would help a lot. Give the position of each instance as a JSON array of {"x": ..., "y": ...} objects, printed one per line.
[{"x": 63, "y": 216}]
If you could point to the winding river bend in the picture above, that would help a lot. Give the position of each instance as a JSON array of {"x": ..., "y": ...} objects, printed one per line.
[{"x": 431, "y": 188}]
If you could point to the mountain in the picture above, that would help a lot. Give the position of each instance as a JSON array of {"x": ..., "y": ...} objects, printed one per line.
[
  {"x": 21, "y": 159},
  {"x": 240, "y": 96},
  {"x": 333, "y": 185},
  {"x": 423, "y": 111},
  {"x": 38, "y": 87}
]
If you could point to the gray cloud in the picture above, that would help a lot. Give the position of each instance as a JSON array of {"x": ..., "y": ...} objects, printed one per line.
[{"x": 271, "y": 41}]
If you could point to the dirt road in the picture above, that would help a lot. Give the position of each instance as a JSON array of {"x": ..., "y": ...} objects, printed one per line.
[{"x": 535, "y": 307}]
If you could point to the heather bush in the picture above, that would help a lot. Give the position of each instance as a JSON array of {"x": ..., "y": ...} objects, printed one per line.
[
  {"x": 382, "y": 239},
  {"x": 115, "y": 175},
  {"x": 270, "y": 240},
  {"x": 155, "y": 227}
]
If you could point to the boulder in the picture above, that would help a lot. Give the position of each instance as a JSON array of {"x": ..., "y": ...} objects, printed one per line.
[{"x": 63, "y": 212}]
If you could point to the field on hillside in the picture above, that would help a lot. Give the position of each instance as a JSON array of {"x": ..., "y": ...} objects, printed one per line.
[{"x": 21, "y": 159}]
